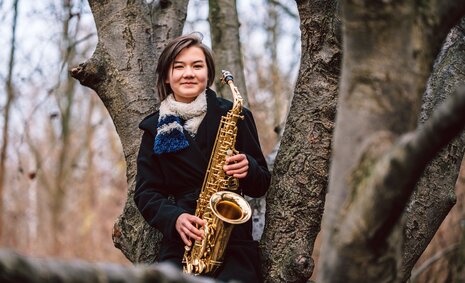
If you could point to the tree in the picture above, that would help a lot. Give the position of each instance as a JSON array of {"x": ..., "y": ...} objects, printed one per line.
[
  {"x": 121, "y": 71},
  {"x": 226, "y": 44},
  {"x": 377, "y": 156},
  {"x": 297, "y": 193},
  {"x": 9, "y": 100}
]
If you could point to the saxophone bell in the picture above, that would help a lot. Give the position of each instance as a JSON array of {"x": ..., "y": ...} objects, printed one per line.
[{"x": 230, "y": 207}]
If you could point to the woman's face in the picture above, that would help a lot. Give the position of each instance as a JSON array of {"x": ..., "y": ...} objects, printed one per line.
[{"x": 188, "y": 75}]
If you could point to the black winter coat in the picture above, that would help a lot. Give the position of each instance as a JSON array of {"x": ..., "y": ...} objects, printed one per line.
[{"x": 168, "y": 185}]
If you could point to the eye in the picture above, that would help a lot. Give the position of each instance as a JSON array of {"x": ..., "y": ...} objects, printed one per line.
[
  {"x": 198, "y": 66},
  {"x": 177, "y": 67}
]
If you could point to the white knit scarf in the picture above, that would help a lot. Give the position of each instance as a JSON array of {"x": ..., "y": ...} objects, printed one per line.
[{"x": 176, "y": 116}]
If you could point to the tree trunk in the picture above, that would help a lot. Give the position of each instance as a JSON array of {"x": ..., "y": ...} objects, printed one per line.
[
  {"x": 276, "y": 88},
  {"x": 435, "y": 192},
  {"x": 9, "y": 101},
  {"x": 224, "y": 26},
  {"x": 373, "y": 170},
  {"x": 65, "y": 100},
  {"x": 122, "y": 72},
  {"x": 297, "y": 193}
]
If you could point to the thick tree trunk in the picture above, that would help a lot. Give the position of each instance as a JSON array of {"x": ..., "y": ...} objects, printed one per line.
[
  {"x": 372, "y": 176},
  {"x": 224, "y": 26},
  {"x": 435, "y": 192},
  {"x": 296, "y": 197},
  {"x": 122, "y": 72}
]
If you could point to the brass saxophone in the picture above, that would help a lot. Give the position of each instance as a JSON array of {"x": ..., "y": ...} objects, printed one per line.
[{"x": 217, "y": 205}]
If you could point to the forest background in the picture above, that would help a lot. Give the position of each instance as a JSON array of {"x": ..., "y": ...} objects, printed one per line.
[{"x": 63, "y": 171}]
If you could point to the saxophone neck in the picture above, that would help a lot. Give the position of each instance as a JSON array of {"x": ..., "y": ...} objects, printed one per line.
[
  {"x": 238, "y": 101},
  {"x": 227, "y": 78}
]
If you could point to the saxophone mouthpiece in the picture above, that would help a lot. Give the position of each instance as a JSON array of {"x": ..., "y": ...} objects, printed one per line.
[{"x": 227, "y": 76}]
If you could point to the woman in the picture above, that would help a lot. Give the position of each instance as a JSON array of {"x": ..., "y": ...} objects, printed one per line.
[{"x": 174, "y": 153}]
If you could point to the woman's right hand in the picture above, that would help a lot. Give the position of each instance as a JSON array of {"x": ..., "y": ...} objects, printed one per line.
[{"x": 186, "y": 227}]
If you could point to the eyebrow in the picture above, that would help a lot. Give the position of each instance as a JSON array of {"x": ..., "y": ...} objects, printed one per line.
[{"x": 195, "y": 62}]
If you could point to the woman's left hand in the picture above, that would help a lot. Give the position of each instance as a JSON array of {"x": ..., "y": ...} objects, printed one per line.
[{"x": 237, "y": 166}]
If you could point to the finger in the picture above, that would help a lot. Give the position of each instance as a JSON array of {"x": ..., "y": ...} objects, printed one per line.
[
  {"x": 236, "y": 166},
  {"x": 196, "y": 220},
  {"x": 236, "y": 158},
  {"x": 233, "y": 166},
  {"x": 188, "y": 234},
  {"x": 185, "y": 240},
  {"x": 190, "y": 227},
  {"x": 192, "y": 235},
  {"x": 240, "y": 176},
  {"x": 238, "y": 171},
  {"x": 193, "y": 232}
]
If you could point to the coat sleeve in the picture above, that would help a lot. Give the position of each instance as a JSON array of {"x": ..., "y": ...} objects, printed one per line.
[
  {"x": 150, "y": 196},
  {"x": 257, "y": 181}
]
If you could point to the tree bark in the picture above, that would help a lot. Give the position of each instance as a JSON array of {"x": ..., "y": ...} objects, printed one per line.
[
  {"x": 374, "y": 169},
  {"x": 122, "y": 72},
  {"x": 297, "y": 193},
  {"x": 435, "y": 192},
  {"x": 224, "y": 26}
]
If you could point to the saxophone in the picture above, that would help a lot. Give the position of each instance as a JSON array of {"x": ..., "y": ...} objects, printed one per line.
[{"x": 217, "y": 204}]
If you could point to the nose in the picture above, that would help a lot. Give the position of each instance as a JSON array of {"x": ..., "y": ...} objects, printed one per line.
[{"x": 188, "y": 72}]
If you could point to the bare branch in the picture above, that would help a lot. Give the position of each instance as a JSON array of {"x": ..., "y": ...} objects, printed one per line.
[
  {"x": 16, "y": 268},
  {"x": 285, "y": 9}
]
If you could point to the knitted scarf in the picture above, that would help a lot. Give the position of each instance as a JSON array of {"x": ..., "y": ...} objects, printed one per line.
[{"x": 175, "y": 117}]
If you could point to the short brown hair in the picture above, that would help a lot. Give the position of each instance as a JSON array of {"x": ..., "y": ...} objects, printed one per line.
[{"x": 172, "y": 49}]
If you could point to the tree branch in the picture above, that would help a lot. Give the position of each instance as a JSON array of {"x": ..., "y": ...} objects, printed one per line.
[
  {"x": 376, "y": 210},
  {"x": 89, "y": 74},
  {"x": 448, "y": 13},
  {"x": 437, "y": 184},
  {"x": 16, "y": 268},
  {"x": 427, "y": 264}
]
